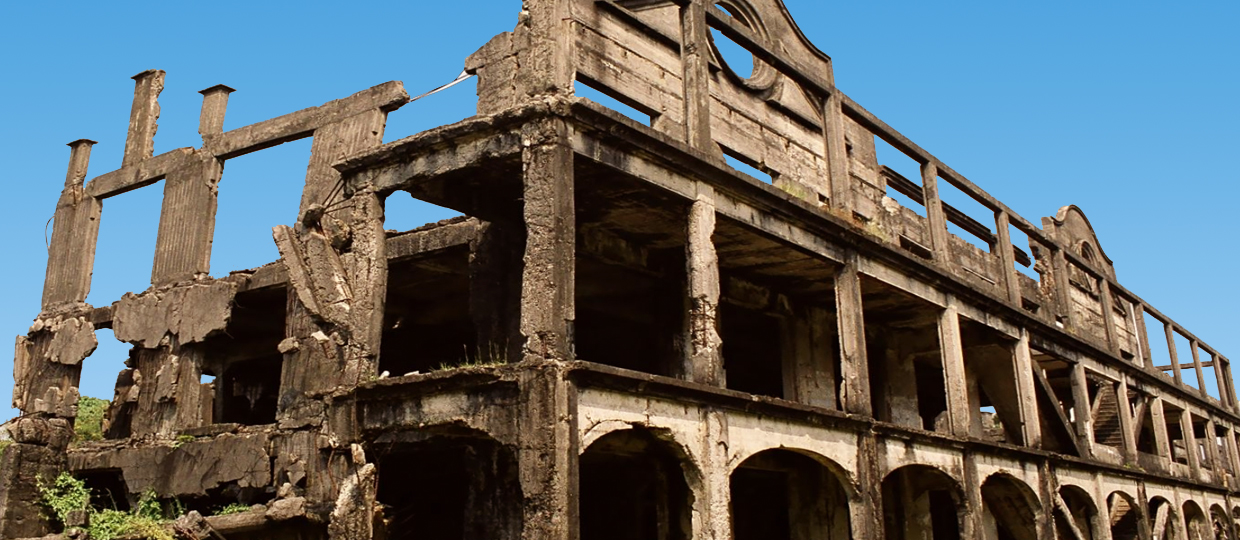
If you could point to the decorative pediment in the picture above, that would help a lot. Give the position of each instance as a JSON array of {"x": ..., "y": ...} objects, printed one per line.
[{"x": 1072, "y": 229}]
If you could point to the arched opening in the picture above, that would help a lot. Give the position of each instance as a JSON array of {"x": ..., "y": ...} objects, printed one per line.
[
  {"x": 922, "y": 503},
  {"x": 1076, "y": 517},
  {"x": 633, "y": 487},
  {"x": 785, "y": 495},
  {"x": 1010, "y": 509},
  {"x": 1123, "y": 516},
  {"x": 1164, "y": 520},
  {"x": 1195, "y": 522},
  {"x": 1224, "y": 527},
  {"x": 453, "y": 484}
]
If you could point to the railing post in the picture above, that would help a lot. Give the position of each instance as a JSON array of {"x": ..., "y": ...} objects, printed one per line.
[
  {"x": 1201, "y": 374},
  {"x": 937, "y": 219},
  {"x": 1175, "y": 359},
  {"x": 695, "y": 58},
  {"x": 1007, "y": 253},
  {"x": 1107, "y": 304}
]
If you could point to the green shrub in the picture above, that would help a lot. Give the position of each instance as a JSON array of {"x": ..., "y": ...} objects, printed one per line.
[
  {"x": 67, "y": 495},
  {"x": 233, "y": 508},
  {"x": 89, "y": 423}
]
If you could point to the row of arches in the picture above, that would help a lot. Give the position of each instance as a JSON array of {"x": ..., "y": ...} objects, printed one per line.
[{"x": 637, "y": 483}]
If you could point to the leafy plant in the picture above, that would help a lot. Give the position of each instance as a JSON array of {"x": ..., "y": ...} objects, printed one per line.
[
  {"x": 67, "y": 495},
  {"x": 89, "y": 423},
  {"x": 232, "y": 508}
]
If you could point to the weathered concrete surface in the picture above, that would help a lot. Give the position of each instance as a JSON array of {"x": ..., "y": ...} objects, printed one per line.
[{"x": 623, "y": 336}]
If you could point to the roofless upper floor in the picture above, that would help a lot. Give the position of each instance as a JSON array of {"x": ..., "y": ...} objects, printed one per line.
[{"x": 589, "y": 229}]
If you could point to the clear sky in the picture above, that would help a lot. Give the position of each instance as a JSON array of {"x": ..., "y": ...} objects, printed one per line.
[{"x": 1127, "y": 109}]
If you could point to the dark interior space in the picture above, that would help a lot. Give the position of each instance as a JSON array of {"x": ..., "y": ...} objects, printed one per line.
[
  {"x": 107, "y": 488},
  {"x": 1010, "y": 503},
  {"x": 907, "y": 381},
  {"x": 783, "y": 495},
  {"x": 427, "y": 323},
  {"x": 776, "y": 316},
  {"x": 451, "y": 487},
  {"x": 630, "y": 273},
  {"x": 1125, "y": 517},
  {"x": 246, "y": 360},
  {"x": 632, "y": 488},
  {"x": 917, "y": 494},
  {"x": 751, "y": 351}
]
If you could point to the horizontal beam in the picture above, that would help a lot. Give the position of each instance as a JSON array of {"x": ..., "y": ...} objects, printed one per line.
[
  {"x": 387, "y": 97},
  {"x": 807, "y": 76},
  {"x": 144, "y": 173},
  {"x": 1189, "y": 365}
]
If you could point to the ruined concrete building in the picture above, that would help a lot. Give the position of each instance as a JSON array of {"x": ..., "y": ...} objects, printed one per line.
[{"x": 625, "y": 338}]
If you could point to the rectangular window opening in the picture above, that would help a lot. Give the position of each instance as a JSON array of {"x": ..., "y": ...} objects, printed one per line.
[
  {"x": 403, "y": 212},
  {"x": 613, "y": 100},
  {"x": 902, "y": 175},
  {"x": 968, "y": 218},
  {"x": 125, "y": 250},
  {"x": 1184, "y": 353},
  {"x": 1160, "y": 355},
  {"x": 258, "y": 191},
  {"x": 738, "y": 161},
  {"x": 242, "y": 367}
]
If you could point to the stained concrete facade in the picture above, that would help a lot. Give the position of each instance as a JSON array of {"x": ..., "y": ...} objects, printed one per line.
[{"x": 625, "y": 337}]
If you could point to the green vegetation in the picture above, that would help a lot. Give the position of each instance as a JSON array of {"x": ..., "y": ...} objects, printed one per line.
[
  {"x": 234, "y": 508},
  {"x": 4, "y": 445},
  {"x": 68, "y": 495},
  {"x": 89, "y": 423}
]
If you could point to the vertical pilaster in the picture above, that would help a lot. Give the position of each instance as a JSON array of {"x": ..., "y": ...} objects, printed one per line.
[
  {"x": 703, "y": 353},
  {"x": 547, "y": 292},
  {"x": 954, "y": 371},
  {"x": 1059, "y": 265},
  {"x": 1233, "y": 454},
  {"x": 716, "y": 523},
  {"x": 695, "y": 59},
  {"x": 187, "y": 221},
  {"x": 71, "y": 251},
  {"x": 1108, "y": 314},
  {"x": 1212, "y": 455},
  {"x": 544, "y": 41},
  {"x": 854, "y": 365},
  {"x": 836, "y": 147},
  {"x": 143, "y": 117}
]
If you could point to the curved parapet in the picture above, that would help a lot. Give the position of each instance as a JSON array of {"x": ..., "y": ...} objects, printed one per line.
[{"x": 1071, "y": 228}]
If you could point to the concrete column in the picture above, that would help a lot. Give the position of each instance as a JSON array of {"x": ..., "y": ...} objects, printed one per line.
[
  {"x": 548, "y": 280},
  {"x": 703, "y": 346},
  {"x": 214, "y": 105},
  {"x": 854, "y": 365},
  {"x": 1027, "y": 391},
  {"x": 958, "y": 405},
  {"x": 1190, "y": 443},
  {"x": 547, "y": 453},
  {"x": 1128, "y": 431},
  {"x": 836, "y": 147},
  {"x": 1108, "y": 314},
  {"x": 1175, "y": 357},
  {"x": 71, "y": 251},
  {"x": 143, "y": 117},
  {"x": 1084, "y": 411}
]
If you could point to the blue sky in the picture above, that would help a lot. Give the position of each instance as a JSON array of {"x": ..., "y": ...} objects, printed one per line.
[{"x": 1128, "y": 110}]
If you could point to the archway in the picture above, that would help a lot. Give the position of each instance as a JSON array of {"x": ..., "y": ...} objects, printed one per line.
[
  {"x": 922, "y": 503},
  {"x": 1195, "y": 522},
  {"x": 1123, "y": 516},
  {"x": 633, "y": 487},
  {"x": 1010, "y": 509},
  {"x": 1224, "y": 527},
  {"x": 1075, "y": 514},
  {"x": 785, "y": 495},
  {"x": 1164, "y": 520}
]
